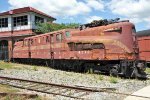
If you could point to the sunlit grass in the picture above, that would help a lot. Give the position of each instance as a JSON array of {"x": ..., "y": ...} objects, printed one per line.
[
  {"x": 6, "y": 88},
  {"x": 113, "y": 80},
  {"x": 148, "y": 70},
  {"x": 5, "y": 65}
]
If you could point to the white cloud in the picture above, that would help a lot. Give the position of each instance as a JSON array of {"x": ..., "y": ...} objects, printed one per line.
[
  {"x": 60, "y": 7},
  {"x": 135, "y": 10},
  {"x": 95, "y": 4},
  {"x": 91, "y": 18}
]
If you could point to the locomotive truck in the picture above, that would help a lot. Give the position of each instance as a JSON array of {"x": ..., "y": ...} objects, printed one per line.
[{"x": 100, "y": 46}]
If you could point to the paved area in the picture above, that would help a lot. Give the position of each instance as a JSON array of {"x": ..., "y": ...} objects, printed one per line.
[{"x": 144, "y": 92}]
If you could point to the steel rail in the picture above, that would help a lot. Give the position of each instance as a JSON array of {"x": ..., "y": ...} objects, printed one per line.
[
  {"x": 83, "y": 90},
  {"x": 58, "y": 85},
  {"x": 80, "y": 88}
]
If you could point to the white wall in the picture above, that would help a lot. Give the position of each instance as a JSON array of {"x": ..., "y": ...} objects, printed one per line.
[{"x": 31, "y": 21}]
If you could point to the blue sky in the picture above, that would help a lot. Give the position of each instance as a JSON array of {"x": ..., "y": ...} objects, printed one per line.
[{"x": 84, "y": 11}]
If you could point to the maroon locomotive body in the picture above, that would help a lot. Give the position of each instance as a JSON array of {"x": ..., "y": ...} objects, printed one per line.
[
  {"x": 109, "y": 48},
  {"x": 144, "y": 48}
]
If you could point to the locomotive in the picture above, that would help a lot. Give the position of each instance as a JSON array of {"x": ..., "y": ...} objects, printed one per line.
[{"x": 99, "y": 46}]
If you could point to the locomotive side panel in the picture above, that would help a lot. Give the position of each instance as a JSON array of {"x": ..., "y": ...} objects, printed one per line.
[{"x": 144, "y": 48}]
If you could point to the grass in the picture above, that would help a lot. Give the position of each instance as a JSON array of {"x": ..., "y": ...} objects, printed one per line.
[
  {"x": 5, "y": 65},
  {"x": 9, "y": 65},
  {"x": 148, "y": 70},
  {"x": 101, "y": 77},
  {"x": 9, "y": 89},
  {"x": 35, "y": 68},
  {"x": 10, "y": 97},
  {"x": 113, "y": 80},
  {"x": 6, "y": 88}
]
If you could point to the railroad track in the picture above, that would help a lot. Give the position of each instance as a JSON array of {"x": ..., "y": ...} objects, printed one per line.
[{"x": 75, "y": 92}]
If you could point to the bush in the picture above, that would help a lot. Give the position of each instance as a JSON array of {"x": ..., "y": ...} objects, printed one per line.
[{"x": 49, "y": 27}]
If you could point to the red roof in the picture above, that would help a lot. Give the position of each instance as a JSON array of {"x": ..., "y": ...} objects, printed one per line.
[{"x": 24, "y": 10}]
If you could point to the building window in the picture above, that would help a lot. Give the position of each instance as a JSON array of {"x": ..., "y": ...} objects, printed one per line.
[
  {"x": 20, "y": 21},
  {"x": 3, "y": 22},
  {"x": 39, "y": 19}
]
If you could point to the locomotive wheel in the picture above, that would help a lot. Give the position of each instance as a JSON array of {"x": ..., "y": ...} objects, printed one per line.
[{"x": 113, "y": 71}]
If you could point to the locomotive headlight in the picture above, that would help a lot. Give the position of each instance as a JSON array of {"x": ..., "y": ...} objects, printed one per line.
[{"x": 141, "y": 66}]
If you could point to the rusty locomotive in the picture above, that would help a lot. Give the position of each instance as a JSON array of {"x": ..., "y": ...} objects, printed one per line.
[{"x": 100, "y": 46}]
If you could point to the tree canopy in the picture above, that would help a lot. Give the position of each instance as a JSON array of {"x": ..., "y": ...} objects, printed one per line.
[{"x": 49, "y": 27}]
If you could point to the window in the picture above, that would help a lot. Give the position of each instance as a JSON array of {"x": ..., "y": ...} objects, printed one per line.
[
  {"x": 52, "y": 37},
  {"x": 31, "y": 41},
  {"x": 39, "y": 40},
  {"x": 67, "y": 34},
  {"x": 39, "y": 19},
  {"x": 20, "y": 21},
  {"x": 79, "y": 46},
  {"x": 59, "y": 37},
  {"x": 98, "y": 46},
  {"x": 71, "y": 46},
  {"x": 87, "y": 46},
  {"x": 116, "y": 29},
  {"x": 133, "y": 30},
  {"x": 3, "y": 22},
  {"x": 47, "y": 39}
]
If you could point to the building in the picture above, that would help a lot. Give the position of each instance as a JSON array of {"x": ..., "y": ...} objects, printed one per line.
[{"x": 17, "y": 24}]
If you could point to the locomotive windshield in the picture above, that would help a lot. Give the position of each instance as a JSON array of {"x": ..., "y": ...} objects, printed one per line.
[{"x": 133, "y": 30}]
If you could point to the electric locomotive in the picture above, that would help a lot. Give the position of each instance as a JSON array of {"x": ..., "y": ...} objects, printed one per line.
[{"x": 108, "y": 46}]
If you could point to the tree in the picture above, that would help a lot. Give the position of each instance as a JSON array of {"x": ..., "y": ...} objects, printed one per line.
[{"x": 49, "y": 27}]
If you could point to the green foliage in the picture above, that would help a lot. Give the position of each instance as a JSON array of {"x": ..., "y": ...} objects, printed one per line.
[{"x": 47, "y": 27}]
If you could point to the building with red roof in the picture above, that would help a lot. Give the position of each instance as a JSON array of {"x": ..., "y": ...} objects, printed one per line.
[{"x": 17, "y": 24}]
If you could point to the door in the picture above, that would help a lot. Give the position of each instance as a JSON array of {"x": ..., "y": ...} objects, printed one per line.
[{"x": 4, "y": 50}]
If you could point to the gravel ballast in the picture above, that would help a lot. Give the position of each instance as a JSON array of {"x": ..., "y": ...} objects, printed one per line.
[{"x": 79, "y": 79}]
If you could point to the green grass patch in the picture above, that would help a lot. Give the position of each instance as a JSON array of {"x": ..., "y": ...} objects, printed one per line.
[
  {"x": 35, "y": 68},
  {"x": 113, "y": 80},
  {"x": 148, "y": 70},
  {"x": 101, "y": 77},
  {"x": 9, "y": 89},
  {"x": 6, "y": 65}
]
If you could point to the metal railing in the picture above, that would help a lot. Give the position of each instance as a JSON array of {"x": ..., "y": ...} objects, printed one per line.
[{"x": 19, "y": 27}]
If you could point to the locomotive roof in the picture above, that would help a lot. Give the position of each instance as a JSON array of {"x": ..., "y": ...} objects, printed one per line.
[
  {"x": 143, "y": 33},
  {"x": 51, "y": 33},
  {"x": 76, "y": 30}
]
